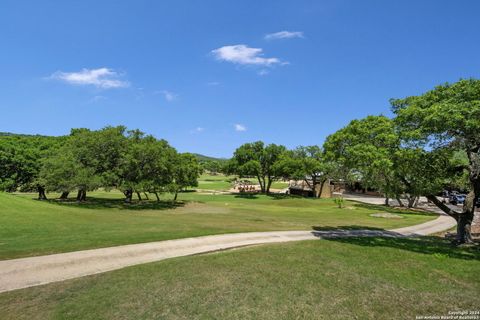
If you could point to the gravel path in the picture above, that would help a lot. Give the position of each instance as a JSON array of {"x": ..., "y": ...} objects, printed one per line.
[{"x": 33, "y": 271}]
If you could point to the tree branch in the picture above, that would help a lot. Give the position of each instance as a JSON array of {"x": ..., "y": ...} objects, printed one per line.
[{"x": 452, "y": 213}]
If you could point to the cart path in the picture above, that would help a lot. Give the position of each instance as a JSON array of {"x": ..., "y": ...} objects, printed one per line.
[{"x": 33, "y": 271}]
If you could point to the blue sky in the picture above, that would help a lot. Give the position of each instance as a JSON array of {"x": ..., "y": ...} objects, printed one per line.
[{"x": 211, "y": 75}]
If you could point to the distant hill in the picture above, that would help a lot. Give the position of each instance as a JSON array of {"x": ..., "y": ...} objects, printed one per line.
[
  {"x": 201, "y": 157},
  {"x": 10, "y": 134}
]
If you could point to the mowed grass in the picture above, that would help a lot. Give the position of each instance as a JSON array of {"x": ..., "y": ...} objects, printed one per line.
[
  {"x": 221, "y": 182},
  {"x": 218, "y": 182},
  {"x": 355, "y": 278},
  {"x": 30, "y": 227}
]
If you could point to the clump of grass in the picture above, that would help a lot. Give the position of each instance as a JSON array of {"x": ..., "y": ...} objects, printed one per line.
[{"x": 340, "y": 202}]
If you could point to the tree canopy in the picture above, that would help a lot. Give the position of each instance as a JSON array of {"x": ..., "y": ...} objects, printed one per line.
[
  {"x": 85, "y": 160},
  {"x": 447, "y": 118},
  {"x": 257, "y": 160}
]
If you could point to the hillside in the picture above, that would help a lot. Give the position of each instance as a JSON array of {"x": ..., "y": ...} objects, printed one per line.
[{"x": 201, "y": 158}]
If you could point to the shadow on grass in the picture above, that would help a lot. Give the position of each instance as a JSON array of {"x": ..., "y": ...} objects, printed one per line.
[
  {"x": 247, "y": 195},
  {"x": 280, "y": 196},
  {"x": 393, "y": 210},
  {"x": 100, "y": 203},
  {"x": 273, "y": 196},
  {"x": 375, "y": 237},
  {"x": 346, "y": 228},
  {"x": 187, "y": 191}
]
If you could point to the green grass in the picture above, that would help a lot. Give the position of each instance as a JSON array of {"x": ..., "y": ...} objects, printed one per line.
[
  {"x": 218, "y": 182},
  {"x": 224, "y": 183},
  {"x": 356, "y": 278},
  {"x": 29, "y": 227}
]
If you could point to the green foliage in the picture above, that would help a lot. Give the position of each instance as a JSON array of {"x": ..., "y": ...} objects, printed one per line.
[
  {"x": 212, "y": 166},
  {"x": 185, "y": 172},
  {"x": 364, "y": 150},
  {"x": 146, "y": 165},
  {"x": 449, "y": 114},
  {"x": 20, "y": 157},
  {"x": 339, "y": 201},
  {"x": 305, "y": 163},
  {"x": 447, "y": 118},
  {"x": 257, "y": 160},
  {"x": 114, "y": 158},
  {"x": 373, "y": 151}
]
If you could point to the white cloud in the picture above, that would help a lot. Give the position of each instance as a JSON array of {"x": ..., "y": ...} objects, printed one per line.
[
  {"x": 104, "y": 78},
  {"x": 263, "y": 72},
  {"x": 284, "y": 35},
  {"x": 240, "y": 127},
  {"x": 197, "y": 130},
  {"x": 168, "y": 95},
  {"x": 242, "y": 54}
]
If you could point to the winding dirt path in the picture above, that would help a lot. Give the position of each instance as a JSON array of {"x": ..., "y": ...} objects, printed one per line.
[{"x": 33, "y": 271}]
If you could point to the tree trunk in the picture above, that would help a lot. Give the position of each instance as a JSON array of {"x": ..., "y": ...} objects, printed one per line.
[
  {"x": 412, "y": 201},
  {"x": 146, "y": 195},
  {"x": 269, "y": 184},
  {"x": 387, "y": 201},
  {"x": 138, "y": 195},
  {"x": 464, "y": 223},
  {"x": 81, "y": 195},
  {"x": 310, "y": 185},
  {"x": 261, "y": 182},
  {"x": 175, "y": 197},
  {"x": 321, "y": 187},
  {"x": 64, "y": 195},
  {"x": 41, "y": 193},
  {"x": 314, "y": 185},
  {"x": 156, "y": 195},
  {"x": 465, "y": 219},
  {"x": 128, "y": 195},
  {"x": 442, "y": 206},
  {"x": 400, "y": 203}
]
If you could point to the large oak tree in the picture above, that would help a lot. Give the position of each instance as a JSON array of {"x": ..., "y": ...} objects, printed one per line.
[{"x": 447, "y": 117}]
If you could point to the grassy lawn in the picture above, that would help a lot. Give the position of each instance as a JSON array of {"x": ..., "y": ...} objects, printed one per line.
[
  {"x": 223, "y": 183},
  {"x": 29, "y": 227},
  {"x": 215, "y": 182},
  {"x": 369, "y": 278}
]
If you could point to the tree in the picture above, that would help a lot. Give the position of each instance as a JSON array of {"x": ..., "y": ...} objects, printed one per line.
[
  {"x": 186, "y": 171},
  {"x": 85, "y": 161},
  {"x": 419, "y": 172},
  {"x": 212, "y": 166},
  {"x": 257, "y": 160},
  {"x": 371, "y": 150},
  {"x": 447, "y": 117},
  {"x": 20, "y": 161},
  {"x": 364, "y": 148},
  {"x": 146, "y": 166},
  {"x": 306, "y": 163}
]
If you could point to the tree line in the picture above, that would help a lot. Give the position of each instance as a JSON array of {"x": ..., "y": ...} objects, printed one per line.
[
  {"x": 432, "y": 142},
  {"x": 113, "y": 157}
]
